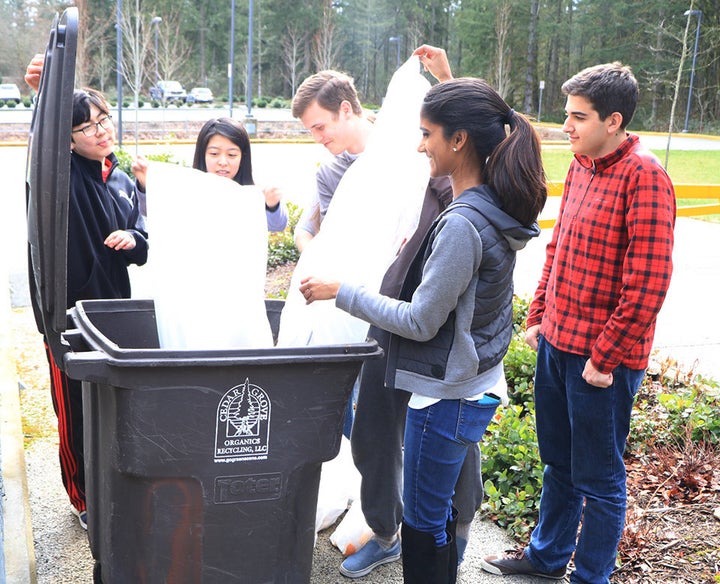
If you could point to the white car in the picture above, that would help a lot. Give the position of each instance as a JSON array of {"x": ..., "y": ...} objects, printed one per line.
[
  {"x": 10, "y": 92},
  {"x": 200, "y": 95}
]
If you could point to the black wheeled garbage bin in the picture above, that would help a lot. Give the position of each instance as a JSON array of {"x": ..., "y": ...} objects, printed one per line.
[{"x": 201, "y": 466}]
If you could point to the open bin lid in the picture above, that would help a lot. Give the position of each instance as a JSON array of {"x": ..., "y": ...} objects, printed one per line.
[{"x": 47, "y": 183}]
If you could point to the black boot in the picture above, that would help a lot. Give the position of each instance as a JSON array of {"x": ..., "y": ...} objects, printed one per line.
[
  {"x": 450, "y": 528},
  {"x": 424, "y": 562}
]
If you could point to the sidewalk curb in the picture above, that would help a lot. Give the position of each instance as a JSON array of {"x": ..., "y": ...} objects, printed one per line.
[{"x": 17, "y": 538}]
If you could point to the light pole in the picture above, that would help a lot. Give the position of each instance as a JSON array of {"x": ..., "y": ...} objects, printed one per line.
[
  {"x": 690, "y": 13},
  {"x": 156, "y": 21},
  {"x": 397, "y": 41},
  {"x": 231, "y": 63},
  {"x": 248, "y": 88},
  {"x": 118, "y": 57}
]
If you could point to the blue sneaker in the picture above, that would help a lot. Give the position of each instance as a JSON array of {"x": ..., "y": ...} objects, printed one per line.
[
  {"x": 370, "y": 556},
  {"x": 81, "y": 515}
]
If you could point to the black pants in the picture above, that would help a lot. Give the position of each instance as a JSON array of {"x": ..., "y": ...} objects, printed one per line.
[{"x": 67, "y": 402}]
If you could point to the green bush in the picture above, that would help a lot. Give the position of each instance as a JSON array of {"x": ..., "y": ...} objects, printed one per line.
[
  {"x": 125, "y": 160},
  {"x": 281, "y": 246},
  {"x": 279, "y": 102},
  {"x": 511, "y": 462},
  {"x": 674, "y": 415},
  {"x": 519, "y": 365},
  {"x": 512, "y": 470},
  {"x": 521, "y": 306}
]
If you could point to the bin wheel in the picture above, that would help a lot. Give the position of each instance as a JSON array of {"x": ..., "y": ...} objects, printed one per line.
[{"x": 97, "y": 574}]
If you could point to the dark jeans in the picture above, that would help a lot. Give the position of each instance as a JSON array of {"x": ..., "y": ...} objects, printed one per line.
[{"x": 581, "y": 433}]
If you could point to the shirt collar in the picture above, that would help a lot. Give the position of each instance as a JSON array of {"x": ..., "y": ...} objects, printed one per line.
[{"x": 599, "y": 164}]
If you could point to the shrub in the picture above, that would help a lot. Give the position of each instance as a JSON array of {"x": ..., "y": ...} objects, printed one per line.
[
  {"x": 512, "y": 470},
  {"x": 279, "y": 102},
  {"x": 519, "y": 365},
  {"x": 521, "y": 306},
  {"x": 674, "y": 414},
  {"x": 125, "y": 160},
  {"x": 281, "y": 246}
]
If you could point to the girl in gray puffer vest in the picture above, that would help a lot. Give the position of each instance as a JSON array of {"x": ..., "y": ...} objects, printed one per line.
[{"x": 452, "y": 324}]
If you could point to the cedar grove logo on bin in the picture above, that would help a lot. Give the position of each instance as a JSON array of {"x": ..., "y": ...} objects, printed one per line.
[{"x": 242, "y": 429}]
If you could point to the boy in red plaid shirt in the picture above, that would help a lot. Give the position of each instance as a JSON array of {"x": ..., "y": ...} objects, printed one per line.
[{"x": 592, "y": 321}]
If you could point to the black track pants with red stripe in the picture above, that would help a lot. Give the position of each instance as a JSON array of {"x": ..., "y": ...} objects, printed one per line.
[{"x": 67, "y": 401}]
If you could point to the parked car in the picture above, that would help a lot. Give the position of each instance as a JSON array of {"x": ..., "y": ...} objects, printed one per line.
[
  {"x": 168, "y": 91},
  {"x": 200, "y": 95},
  {"x": 9, "y": 92}
]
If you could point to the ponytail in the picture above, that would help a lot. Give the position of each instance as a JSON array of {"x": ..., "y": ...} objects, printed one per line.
[{"x": 514, "y": 171}]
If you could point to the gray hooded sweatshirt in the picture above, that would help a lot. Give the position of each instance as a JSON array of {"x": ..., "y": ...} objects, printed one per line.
[{"x": 452, "y": 324}]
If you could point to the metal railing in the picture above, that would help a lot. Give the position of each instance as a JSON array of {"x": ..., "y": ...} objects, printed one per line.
[{"x": 682, "y": 191}]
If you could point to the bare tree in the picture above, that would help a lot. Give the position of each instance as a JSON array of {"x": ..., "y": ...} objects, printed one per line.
[
  {"x": 503, "y": 22},
  {"x": 173, "y": 49},
  {"x": 325, "y": 50},
  {"x": 136, "y": 45},
  {"x": 292, "y": 43},
  {"x": 683, "y": 56}
]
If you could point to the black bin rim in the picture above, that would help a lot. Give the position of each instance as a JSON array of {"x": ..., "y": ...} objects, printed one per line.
[{"x": 115, "y": 355}]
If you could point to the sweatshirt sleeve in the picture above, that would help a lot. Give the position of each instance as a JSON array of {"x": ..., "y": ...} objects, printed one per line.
[
  {"x": 453, "y": 260},
  {"x": 277, "y": 218}
]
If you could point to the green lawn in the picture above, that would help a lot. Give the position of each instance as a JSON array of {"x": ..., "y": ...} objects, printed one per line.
[{"x": 684, "y": 167}]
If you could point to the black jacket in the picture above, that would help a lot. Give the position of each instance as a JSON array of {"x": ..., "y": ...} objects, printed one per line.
[{"x": 96, "y": 209}]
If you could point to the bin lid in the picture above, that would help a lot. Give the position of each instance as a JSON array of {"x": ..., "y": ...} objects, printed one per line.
[{"x": 47, "y": 183}]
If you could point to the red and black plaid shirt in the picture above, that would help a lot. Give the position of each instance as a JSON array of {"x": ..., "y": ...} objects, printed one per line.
[{"x": 609, "y": 262}]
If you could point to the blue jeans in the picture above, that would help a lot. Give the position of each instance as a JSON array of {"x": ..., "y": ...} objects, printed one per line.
[
  {"x": 581, "y": 433},
  {"x": 437, "y": 439},
  {"x": 350, "y": 410}
]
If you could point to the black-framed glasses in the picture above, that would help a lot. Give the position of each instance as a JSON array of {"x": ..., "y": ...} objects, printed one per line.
[{"x": 92, "y": 128}]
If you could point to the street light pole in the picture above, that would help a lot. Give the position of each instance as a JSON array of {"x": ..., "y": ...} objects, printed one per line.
[
  {"x": 397, "y": 41},
  {"x": 690, "y": 13},
  {"x": 118, "y": 57},
  {"x": 156, "y": 21},
  {"x": 248, "y": 98},
  {"x": 231, "y": 64}
]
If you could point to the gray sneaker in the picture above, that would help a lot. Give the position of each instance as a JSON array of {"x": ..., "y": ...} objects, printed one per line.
[{"x": 515, "y": 562}]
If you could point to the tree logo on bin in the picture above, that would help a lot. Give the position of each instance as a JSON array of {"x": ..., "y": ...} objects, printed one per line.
[{"x": 242, "y": 430}]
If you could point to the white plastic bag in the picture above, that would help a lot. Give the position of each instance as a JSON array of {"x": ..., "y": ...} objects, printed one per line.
[
  {"x": 207, "y": 260},
  {"x": 353, "y": 532},
  {"x": 374, "y": 209},
  {"x": 339, "y": 486}
]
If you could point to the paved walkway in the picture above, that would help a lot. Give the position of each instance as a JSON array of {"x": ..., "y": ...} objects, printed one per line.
[{"x": 688, "y": 330}]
